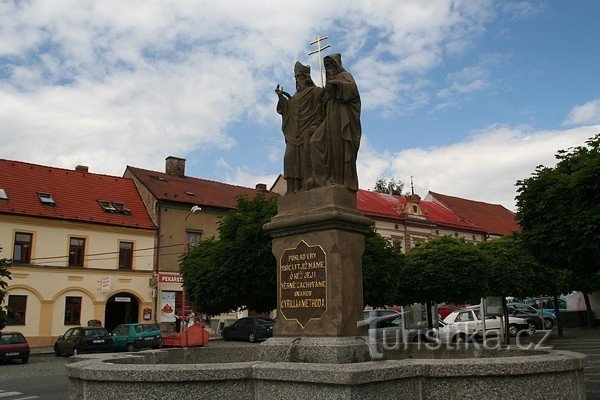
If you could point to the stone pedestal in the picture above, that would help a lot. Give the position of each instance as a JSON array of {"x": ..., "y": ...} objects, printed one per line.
[{"x": 318, "y": 241}]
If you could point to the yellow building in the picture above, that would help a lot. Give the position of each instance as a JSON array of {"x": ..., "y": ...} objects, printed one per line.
[{"x": 82, "y": 247}]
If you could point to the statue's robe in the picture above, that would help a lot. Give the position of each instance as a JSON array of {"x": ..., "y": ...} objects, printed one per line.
[
  {"x": 334, "y": 144},
  {"x": 301, "y": 115}
]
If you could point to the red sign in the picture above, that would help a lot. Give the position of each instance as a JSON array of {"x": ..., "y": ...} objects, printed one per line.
[{"x": 170, "y": 278}]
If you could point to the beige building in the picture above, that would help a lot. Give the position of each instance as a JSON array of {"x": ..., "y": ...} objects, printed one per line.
[
  {"x": 82, "y": 247},
  {"x": 185, "y": 210}
]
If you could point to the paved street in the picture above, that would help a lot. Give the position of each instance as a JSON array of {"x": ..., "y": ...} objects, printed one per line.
[{"x": 43, "y": 378}]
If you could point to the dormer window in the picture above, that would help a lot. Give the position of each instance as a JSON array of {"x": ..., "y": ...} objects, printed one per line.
[
  {"x": 3, "y": 195},
  {"x": 415, "y": 209},
  {"x": 114, "y": 207},
  {"x": 46, "y": 198}
]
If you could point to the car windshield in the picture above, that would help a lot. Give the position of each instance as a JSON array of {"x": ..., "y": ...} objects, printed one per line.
[
  {"x": 12, "y": 338},
  {"x": 149, "y": 327},
  {"x": 95, "y": 332}
]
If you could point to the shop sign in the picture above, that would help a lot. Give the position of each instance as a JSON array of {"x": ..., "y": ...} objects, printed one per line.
[
  {"x": 167, "y": 307},
  {"x": 170, "y": 278},
  {"x": 123, "y": 299},
  {"x": 147, "y": 314}
]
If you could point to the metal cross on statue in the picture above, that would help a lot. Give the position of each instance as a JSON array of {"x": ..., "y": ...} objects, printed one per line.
[{"x": 318, "y": 51}]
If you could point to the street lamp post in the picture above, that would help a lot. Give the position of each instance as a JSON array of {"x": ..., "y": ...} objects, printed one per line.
[{"x": 193, "y": 210}]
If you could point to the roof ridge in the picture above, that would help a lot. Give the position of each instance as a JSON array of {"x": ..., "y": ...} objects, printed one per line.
[
  {"x": 470, "y": 200},
  {"x": 64, "y": 169},
  {"x": 191, "y": 177}
]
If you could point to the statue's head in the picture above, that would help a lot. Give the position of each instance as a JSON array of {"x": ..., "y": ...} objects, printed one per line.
[
  {"x": 333, "y": 64},
  {"x": 302, "y": 74}
]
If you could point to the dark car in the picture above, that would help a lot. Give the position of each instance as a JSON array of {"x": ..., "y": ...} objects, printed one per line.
[
  {"x": 249, "y": 328},
  {"x": 83, "y": 339},
  {"x": 533, "y": 319},
  {"x": 14, "y": 346},
  {"x": 136, "y": 336}
]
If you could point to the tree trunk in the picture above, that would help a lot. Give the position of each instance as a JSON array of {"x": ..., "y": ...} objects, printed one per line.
[
  {"x": 558, "y": 321},
  {"x": 429, "y": 316},
  {"x": 588, "y": 309},
  {"x": 505, "y": 313}
]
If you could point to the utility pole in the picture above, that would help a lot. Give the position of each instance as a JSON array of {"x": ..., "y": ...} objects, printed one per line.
[{"x": 318, "y": 51}]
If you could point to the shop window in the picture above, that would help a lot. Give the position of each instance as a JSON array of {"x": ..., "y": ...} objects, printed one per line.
[
  {"x": 22, "y": 248},
  {"x": 17, "y": 307},
  {"x": 76, "y": 252},
  {"x": 125, "y": 255},
  {"x": 72, "y": 310}
]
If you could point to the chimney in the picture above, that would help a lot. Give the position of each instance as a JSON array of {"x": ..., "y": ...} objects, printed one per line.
[
  {"x": 261, "y": 186},
  {"x": 81, "y": 168},
  {"x": 175, "y": 166}
]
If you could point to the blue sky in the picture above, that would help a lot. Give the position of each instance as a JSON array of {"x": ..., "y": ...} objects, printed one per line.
[{"x": 466, "y": 96}]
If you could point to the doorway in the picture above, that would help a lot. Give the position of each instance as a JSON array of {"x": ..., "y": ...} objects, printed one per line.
[{"x": 122, "y": 308}]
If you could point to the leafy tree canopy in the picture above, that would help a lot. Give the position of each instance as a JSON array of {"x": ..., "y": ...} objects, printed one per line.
[
  {"x": 381, "y": 266},
  {"x": 238, "y": 269},
  {"x": 4, "y": 274},
  {"x": 559, "y": 213},
  {"x": 512, "y": 270},
  {"x": 444, "y": 270},
  {"x": 390, "y": 187}
]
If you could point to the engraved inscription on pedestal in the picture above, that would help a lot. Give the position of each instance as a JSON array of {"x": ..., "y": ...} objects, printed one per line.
[{"x": 303, "y": 283}]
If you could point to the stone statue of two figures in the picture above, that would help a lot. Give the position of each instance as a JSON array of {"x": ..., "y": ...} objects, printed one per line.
[{"x": 321, "y": 127}]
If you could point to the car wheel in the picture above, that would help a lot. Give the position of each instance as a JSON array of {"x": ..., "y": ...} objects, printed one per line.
[
  {"x": 57, "y": 351},
  {"x": 513, "y": 330},
  {"x": 225, "y": 337},
  {"x": 459, "y": 339},
  {"x": 532, "y": 328},
  {"x": 24, "y": 360},
  {"x": 548, "y": 323},
  {"x": 130, "y": 347},
  {"x": 75, "y": 351},
  {"x": 252, "y": 337}
]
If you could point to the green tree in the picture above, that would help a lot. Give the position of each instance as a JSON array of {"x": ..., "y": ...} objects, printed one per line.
[
  {"x": 444, "y": 270},
  {"x": 382, "y": 266},
  {"x": 512, "y": 271},
  {"x": 559, "y": 213},
  {"x": 238, "y": 269},
  {"x": 392, "y": 186},
  {"x": 4, "y": 274}
]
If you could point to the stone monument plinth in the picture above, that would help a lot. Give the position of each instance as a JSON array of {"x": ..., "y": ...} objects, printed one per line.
[{"x": 318, "y": 241}]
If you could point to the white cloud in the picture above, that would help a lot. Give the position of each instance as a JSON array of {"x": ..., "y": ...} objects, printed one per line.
[
  {"x": 247, "y": 178},
  {"x": 109, "y": 83},
  {"x": 484, "y": 167},
  {"x": 588, "y": 113}
]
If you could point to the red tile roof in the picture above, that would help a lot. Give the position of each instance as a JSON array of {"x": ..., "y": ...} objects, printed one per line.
[
  {"x": 185, "y": 189},
  {"x": 76, "y": 195},
  {"x": 494, "y": 218},
  {"x": 374, "y": 204}
]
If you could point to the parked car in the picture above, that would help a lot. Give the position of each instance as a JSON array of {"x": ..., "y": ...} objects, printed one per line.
[
  {"x": 83, "y": 339},
  {"x": 463, "y": 324},
  {"x": 14, "y": 346},
  {"x": 547, "y": 303},
  {"x": 252, "y": 329},
  {"x": 445, "y": 309},
  {"x": 130, "y": 337},
  {"x": 388, "y": 326},
  {"x": 533, "y": 319},
  {"x": 549, "y": 316}
]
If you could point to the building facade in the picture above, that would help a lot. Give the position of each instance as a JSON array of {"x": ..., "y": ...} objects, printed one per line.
[
  {"x": 185, "y": 210},
  {"x": 82, "y": 246}
]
